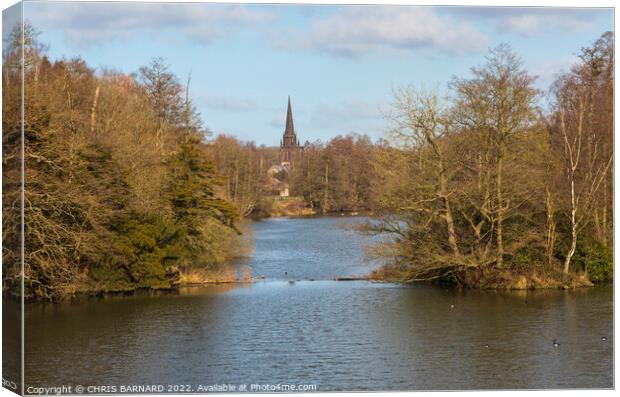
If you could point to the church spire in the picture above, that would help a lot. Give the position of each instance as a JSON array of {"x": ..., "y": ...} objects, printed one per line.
[
  {"x": 290, "y": 129},
  {"x": 289, "y": 145}
]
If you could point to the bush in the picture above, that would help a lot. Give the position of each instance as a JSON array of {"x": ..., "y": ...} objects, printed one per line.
[
  {"x": 595, "y": 259},
  {"x": 600, "y": 265},
  {"x": 526, "y": 259},
  {"x": 146, "y": 251}
]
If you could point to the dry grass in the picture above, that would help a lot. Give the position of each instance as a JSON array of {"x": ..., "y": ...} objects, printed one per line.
[
  {"x": 490, "y": 278},
  {"x": 246, "y": 274},
  {"x": 290, "y": 207},
  {"x": 227, "y": 274}
]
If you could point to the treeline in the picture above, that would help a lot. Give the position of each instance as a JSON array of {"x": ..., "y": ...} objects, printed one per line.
[
  {"x": 244, "y": 167},
  {"x": 120, "y": 190},
  {"x": 500, "y": 184},
  {"x": 497, "y": 184},
  {"x": 336, "y": 176}
]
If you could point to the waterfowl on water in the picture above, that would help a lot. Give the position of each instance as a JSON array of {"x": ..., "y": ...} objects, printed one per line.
[
  {"x": 487, "y": 345},
  {"x": 291, "y": 281},
  {"x": 451, "y": 306},
  {"x": 555, "y": 343},
  {"x": 604, "y": 338}
]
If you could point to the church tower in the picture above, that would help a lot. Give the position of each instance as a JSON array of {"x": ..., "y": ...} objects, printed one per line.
[{"x": 289, "y": 145}]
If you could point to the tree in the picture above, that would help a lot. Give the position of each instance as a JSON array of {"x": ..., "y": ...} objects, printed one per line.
[
  {"x": 244, "y": 167},
  {"x": 163, "y": 91},
  {"x": 499, "y": 101},
  {"x": 108, "y": 205},
  {"x": 191, "y": 189},
  {"x": 338, "y": 175},
  {"x": 469, "y": 185},
  {"x": 420, "y": 123},
  {"x": 584, "y": 139}
]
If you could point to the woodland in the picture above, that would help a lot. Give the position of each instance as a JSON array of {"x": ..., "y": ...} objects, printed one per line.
[{"x": 490, "y": 183}]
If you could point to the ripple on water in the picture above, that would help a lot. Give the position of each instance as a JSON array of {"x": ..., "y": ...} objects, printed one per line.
[{"x": 339, "y": 335}]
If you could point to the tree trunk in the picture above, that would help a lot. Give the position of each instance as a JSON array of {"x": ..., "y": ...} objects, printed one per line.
[
  {"x": 500, "y": 214},
  {"x": 451, "y": 231},
  {"x": 93, "y": 112},
  {"x": 573, "y": 224},
  {"x": 236, "y": 182},
  {"x": 551, "y": 236},
  {"x": 604, "y": 216},
  {"x": 159, "y": 140},
  {"x": 326, "y": 196},
  {"x": 443, "y": 190}
]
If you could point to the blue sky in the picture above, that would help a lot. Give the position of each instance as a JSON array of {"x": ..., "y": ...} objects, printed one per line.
[{"x": 338, "y": 63}]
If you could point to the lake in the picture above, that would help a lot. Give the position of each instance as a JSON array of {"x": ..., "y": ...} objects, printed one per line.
[{"x": 299, "y": 326}]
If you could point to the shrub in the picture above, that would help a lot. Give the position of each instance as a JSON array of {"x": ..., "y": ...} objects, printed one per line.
[
  {"x": 146, "y": 251},
  {"x": 593, "y": 258}
]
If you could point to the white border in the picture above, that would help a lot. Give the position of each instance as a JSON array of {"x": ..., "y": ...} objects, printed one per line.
[{"x": 484, "y": 3}]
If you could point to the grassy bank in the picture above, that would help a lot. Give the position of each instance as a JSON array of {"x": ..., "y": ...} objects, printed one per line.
[
  {"x": 490, "y": 278},
  {"x": 274, "y": 207},
  {"x": 225, "y": 275}
]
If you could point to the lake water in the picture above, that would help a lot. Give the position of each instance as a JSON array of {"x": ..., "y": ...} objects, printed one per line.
[{"x": 336, "y": 335}]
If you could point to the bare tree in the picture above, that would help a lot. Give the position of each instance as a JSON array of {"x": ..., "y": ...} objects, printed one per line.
[
  {"x": 420, "y": 122},
  {"x": 584, "y": 174},
  {"x": 499, "y": 101}
]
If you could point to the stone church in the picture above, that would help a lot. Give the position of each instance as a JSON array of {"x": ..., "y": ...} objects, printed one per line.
[
  {"x": 289, "y": 144},
  {"x": 290, "y": 150}
]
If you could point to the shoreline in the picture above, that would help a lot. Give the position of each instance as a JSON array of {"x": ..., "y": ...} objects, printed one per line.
[
  {"x": 84, "y": 295},
  {"x": 296, "y": 207},
  {"x": 313, "y": 214},
  {"x": 492, "y": 279}
]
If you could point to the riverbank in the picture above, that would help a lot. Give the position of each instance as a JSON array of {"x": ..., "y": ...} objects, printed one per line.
[
  {"x": 224, "y": 275},
  {"x": 490, "y": 278},
  {"x": 407, "y": 331},
  {"x": 279, "y": 207},
  {"x": 85, "y": 287},
  {"x": 275, "y": 206}
]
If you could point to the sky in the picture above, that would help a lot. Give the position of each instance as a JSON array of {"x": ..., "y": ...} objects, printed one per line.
[{"x": 339, "y": 64}]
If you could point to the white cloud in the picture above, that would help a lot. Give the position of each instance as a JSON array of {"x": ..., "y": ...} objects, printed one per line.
[
  {"x": 11, "y": 17},
  {"x": 345, "y": 116},
  {"x": 277, "y": 120},
  {"x": 530, "y": 25},
  {"x": 227, "y": 104},
  {"x": 343, "y": 113},
  {"x": 535, "y": 21},
  {"x": 355, "y": 31},
  {"x": 88, "y": 24},
  {"x": 547, "y": 70},
  {"x": 325, "y": 120}
]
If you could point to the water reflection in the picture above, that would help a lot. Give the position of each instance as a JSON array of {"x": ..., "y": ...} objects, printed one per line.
[{"x": 338, "y": 335}]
